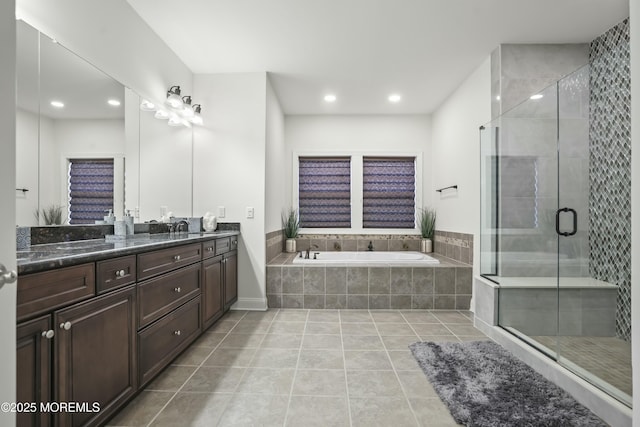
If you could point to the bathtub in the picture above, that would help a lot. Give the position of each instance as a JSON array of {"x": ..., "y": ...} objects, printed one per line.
[{"x": 367, "y": 258}]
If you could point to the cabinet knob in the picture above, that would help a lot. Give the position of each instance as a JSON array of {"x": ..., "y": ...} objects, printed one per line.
[
  {"x": 176, "y": 258},
  {"x": 210, "y": 249},
  {"x": 176, "y": 332},
  {"x": 177, "y": 289},
  {"x": 120, "y": 273},
  {"x": 66, "y": 326},
  {"x": 234, "y": 242},
  {"x": 48, "y": 334}
]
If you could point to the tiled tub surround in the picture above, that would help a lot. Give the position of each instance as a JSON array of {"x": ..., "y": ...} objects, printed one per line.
[
  {"x": 457, "y": 246},
  {"x": 275, "y": 244},
  {"x": 359, "y": 242},
  {"x": 443, "y": 286}
]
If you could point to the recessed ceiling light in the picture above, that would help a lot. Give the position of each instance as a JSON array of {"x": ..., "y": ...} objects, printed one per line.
[
  {"x": 330, "y": 98},
  {"x": 113, "y": 102},
  {"x": 394, "y": 98},
  {"x": 57, "y": 104},
  {"x": 497, "y": 97},
  {"x": 536, "y": 96}
]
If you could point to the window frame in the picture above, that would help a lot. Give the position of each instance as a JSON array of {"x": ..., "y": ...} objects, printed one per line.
[{"x": 357, "y": 189}]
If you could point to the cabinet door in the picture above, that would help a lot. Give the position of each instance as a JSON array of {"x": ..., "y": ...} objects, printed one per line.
[
  {"x": 95, "y": 349},
  {"x": 33, "y": 369},
  {"x": 212, "y": 291},
  {"x": 230, "y": 279}
]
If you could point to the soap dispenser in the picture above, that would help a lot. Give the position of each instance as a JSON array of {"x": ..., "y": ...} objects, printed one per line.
[
  {"x": 110, "y": 218},
  {"x": 128, "y": 220}
]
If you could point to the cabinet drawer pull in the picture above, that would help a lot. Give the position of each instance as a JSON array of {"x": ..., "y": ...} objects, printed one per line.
[
  {"x": 176, "y": 258},
  {"x": 66, "y": 326},
  {"x": 176, "y": 332},
  {"x": 177, "y": 289},
  {"x": 48, "y": 334},
  {"x": 234, "y": 242}
]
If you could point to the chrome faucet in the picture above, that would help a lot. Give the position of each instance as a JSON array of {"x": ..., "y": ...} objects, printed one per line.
[{"x": 181, "y": 226}]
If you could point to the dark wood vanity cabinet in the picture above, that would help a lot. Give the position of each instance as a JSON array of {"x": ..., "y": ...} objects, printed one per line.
[
  {"x": 230, "y": 274},
  {"x": 34, "y": 369},
  {"x": 98, "y": 332},
  {"x": 96, "y": 356}
]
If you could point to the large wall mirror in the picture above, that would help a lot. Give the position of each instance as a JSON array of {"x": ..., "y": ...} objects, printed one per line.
[{"x": 82, "y": 143}]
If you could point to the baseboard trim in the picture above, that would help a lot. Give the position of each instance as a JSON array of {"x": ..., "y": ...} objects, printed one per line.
[{"x": 251, "y": 304}]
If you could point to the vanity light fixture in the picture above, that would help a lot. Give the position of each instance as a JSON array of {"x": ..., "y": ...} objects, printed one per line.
[
  {"x": 536, "y": 96},
  {"x": 57, "y": 104},
  {"x": 147, "y": 105},
  {"x": 113, "y": 102},
  {"x": 161, "y": 114},
  {"x": 330, "y": 98},
  {"x": 173, "y": 97},
  {"x": 395, "y": 98},
  {"x": 197, "y": 118},
  {"x": 187, "y": 111},
  {"x": 175, "y": 120}
]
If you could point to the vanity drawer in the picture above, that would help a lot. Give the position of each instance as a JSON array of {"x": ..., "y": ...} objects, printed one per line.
[
  {"x": 226, "y": 244},
  {"x": 42, "y": 292},
  {"x": 158, "y": 262},
  {"x": 162, "y": 341},
  {"x": 160, "y": 295},
  {"x": 209, "y": 249},
  {"x": 115, "y": 273}
]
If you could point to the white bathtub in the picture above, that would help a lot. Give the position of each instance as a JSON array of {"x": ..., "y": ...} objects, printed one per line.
[{"x": 367, "y": 258}]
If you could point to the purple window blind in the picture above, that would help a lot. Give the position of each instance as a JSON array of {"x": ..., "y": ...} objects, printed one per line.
[
  {"x": 324, "y": 192},
  {"x": 389, "y": 192},
  {"x": 90, "y": 189}
]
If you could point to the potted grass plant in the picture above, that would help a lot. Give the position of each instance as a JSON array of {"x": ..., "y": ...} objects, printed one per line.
[
  {"x": 427, "y": 222},
  {"x": 290, "y": 226},
  {"x": 51, "y": 215}
]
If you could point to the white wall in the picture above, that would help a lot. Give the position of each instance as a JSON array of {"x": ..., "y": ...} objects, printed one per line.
[
  {"x": 277, "y": 196},
  {"x": 111, "y": 36},
  {"x": 365, "y": 134},
  {"x": 229, "y": 169},
  {"x": 634, "y": 7},
  {"x": 26, "y": 165},
  {"x": 165, "y": 168},
  {"x": 456, "y": 154},
  {"x": 8, "y": 206}
]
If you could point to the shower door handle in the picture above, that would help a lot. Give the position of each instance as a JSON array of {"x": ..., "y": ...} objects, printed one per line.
[{"x": 575, "y": 222}]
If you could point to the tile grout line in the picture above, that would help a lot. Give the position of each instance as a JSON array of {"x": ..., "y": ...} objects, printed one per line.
[
  {"x": 344, "y": 364},
  {"x": 295, "y": 371},
  {"x": 386, "y": 350},
  {"x": 193, "y": 373}
]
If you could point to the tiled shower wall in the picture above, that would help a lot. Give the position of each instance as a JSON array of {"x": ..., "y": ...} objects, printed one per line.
[
  {"x": 610, "y": 167},
  {"x": 458, "y": 246}
]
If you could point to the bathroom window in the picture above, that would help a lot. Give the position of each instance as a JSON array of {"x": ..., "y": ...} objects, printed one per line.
[
  {"x": 90, "y": 189},
  {"x": 388, "y": 192},
  {"x": 324, "y": 192}
]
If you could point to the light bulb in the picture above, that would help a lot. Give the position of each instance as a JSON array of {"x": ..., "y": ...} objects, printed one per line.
[
  {"x": 147, "y": 105},
  {"x": 161, "y": 114},
  {"x": 175, "y": 120}
]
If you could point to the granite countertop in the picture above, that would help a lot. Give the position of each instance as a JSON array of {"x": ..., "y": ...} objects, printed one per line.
[{"x": 63, "y": 254}]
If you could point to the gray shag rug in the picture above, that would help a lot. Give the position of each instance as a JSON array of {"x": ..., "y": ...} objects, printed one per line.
[{"x": 483, "y": 384}]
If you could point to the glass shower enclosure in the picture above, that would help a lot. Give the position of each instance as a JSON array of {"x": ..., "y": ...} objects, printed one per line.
[{"x": 537, "y": 241}]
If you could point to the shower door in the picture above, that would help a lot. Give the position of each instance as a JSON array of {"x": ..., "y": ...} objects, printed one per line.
[{"x": 593, "y": 337}]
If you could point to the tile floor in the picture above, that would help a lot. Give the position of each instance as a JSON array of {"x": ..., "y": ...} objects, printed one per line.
[{"x": 303, "y": 368}]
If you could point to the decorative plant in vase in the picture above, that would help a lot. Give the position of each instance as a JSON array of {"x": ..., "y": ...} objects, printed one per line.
[
  {"x": 427, "y": 221},
  {"x": 51, "y": 215},
  {"x": 291, "y": 226}
]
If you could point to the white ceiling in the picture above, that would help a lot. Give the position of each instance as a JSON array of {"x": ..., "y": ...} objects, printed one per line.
[{"x": 363, "y": 50}]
